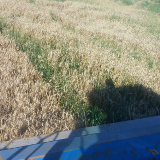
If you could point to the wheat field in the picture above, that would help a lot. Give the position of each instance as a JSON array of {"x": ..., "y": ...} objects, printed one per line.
[{"x": 71, "y": 64}]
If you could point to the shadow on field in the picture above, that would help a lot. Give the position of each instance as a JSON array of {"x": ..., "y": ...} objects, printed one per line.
[{"x": 126, "y": 102}]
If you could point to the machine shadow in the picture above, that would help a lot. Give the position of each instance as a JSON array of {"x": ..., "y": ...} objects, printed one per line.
[{"x": 127, "y": 102}]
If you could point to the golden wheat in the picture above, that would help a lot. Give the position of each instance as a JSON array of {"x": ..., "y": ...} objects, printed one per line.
[
  {"x": 85, "y": 28},
  {"x": 28, "y": 106}
]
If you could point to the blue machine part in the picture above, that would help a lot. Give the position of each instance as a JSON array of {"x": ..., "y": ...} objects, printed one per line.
[{"x": 118, "y": 141}]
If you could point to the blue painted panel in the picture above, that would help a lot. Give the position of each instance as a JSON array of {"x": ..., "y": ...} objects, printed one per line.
[
  {"x": 146, "y": 146},
  {"x": 89, "y": 147},
  {"x": 102, "y": 152}
]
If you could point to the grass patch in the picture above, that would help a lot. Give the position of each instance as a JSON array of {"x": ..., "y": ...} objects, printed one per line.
[
  {"x": 158, "y": 64},
  {"x": 31, "y": 1},
  {"x": 136, "y": 55},
  {"x": 54, "y": 17},
  {"x": 58, "y": 0},
  {"x": 2, "y": 25},
  {"x": 69, "y": 27},
  {"x": 127, "y": 2},
  {"x": 65, "y": 26},
  {"x": 150, "y": 63},
  {"x": 53, "y": 45},
  {"x": 150, "y": 27},
  {"x": 153, "y": 6},
  {"x": 106, "y": 44},
  {"x": 115, "y": 17}
]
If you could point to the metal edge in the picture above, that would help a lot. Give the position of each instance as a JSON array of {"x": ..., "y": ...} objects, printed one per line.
[{"x": 126, "y": 129}]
